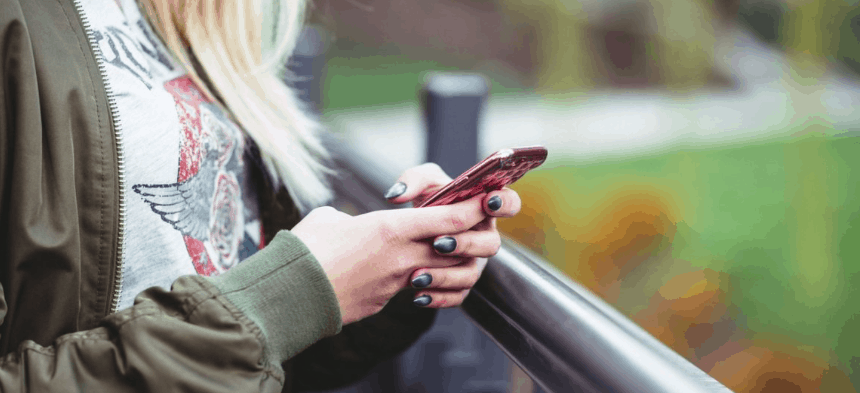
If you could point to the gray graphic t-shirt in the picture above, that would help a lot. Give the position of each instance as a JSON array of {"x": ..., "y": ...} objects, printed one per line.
[{"x": 189, "y": 206}]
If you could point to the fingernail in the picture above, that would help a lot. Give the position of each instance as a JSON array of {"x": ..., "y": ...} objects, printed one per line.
[
  {"x": 422, "y": 300},
  {"x": 396, "y": 190},
  {"x": 422, "y": 280},
  {"x": 495, "y": 203},
  {"x": 445, "y": 245}
]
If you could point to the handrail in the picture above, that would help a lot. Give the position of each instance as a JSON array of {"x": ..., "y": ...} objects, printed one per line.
[{"x": 563, "y": 336}]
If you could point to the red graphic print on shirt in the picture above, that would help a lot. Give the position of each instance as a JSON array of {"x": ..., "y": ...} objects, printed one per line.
[{"x": 205, "y": 204}]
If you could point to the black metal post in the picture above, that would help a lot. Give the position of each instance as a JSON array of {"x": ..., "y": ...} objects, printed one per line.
[
  {"x": 456, "y": 356},
  {"x": 452, "y": 109},
  {"x": 306, "y": 67}
]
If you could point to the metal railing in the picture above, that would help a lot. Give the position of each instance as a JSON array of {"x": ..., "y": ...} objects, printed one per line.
[{"x": 563, "y": 336}]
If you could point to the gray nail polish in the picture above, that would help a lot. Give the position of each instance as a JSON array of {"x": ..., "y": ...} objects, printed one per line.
[
  {"x": 422, "y": 300},
  {"x": 445, "y": 245},
  {"x": 422, "y": 280},
  {"x": 396, "y": 190},
  {"x": 495, "y": 203}
]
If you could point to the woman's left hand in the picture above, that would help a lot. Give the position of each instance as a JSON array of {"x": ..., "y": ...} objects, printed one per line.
[{"x": 449, "y": 286}]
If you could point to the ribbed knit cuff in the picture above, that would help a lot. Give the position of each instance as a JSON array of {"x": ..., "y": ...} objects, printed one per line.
[{"x": 284, "y": 290}]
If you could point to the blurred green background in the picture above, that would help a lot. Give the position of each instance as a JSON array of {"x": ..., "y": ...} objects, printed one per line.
[{"x": 739, "y": 250}]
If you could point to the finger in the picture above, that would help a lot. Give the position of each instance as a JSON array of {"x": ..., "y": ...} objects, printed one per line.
[
  {"x": 502, "y": 203},
  {"x": 434, "y": 221},
  {"x": 418, "y": 181},
  {"x": 422, "y": 256},
  {"x": 469, "y": 244},
  {"x": 462, "y": 276},
  {"x": 440, "y": 298},
  {"x": 488, "y": 224}
]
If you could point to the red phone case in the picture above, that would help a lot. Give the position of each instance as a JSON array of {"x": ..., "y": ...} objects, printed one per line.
[{"x": 500, "y": 169}]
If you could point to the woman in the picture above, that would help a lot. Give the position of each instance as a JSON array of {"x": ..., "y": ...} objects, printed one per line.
[{"x": 148, "y": 146}]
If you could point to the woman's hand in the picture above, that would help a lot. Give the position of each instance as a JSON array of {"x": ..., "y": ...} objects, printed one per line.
[
  {"x": 370, "y": 257},
  {"x": 449, "y": 286}
]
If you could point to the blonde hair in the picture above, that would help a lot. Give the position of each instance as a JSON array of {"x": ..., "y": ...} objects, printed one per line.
[{"x": 227, "y": 39}]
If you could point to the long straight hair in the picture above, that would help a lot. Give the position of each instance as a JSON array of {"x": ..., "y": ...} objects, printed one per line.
[{"x": 226, "y": 37}]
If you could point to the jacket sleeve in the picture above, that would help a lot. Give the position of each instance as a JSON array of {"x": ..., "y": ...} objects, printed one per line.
[{"x": 227, "y": 334}]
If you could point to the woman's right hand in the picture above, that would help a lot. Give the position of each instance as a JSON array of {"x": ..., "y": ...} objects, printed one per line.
[{"x": 370, "y": 257}]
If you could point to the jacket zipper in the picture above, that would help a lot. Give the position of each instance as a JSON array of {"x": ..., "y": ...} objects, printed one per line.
[{"x": 117, "y": 127}]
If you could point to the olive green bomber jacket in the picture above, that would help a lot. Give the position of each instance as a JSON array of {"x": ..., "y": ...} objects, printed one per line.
[{"x": 258, "y": 327}]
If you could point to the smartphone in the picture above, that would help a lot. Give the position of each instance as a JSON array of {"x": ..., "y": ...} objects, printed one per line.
[{"x": 500, "y": 169}]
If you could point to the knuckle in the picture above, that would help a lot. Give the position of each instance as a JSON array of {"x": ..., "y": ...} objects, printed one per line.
[
  {"x": 465, "y": 280},
  {"x": 391, "y": 288},
  {"x": 458, "y": 220},
  {"x": 516, "y": 209},
  {"x": 318, "y": 211},
  {"x": 465, "y": 245},
  {"x": 322, "y": 213},
  {"x": 431, "y": 167},
  {"x": 472, "y": 246},
  {"x": 408, "y": 173},
  {"x": 435, "y": 171},
  {"x": 387, "y": 231},
  {"x": 401, "y": 266},
  {"x": 456, "y": 299},
  {"x": 496, "y": 244},
  {"x": 473, "y": 279}
]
